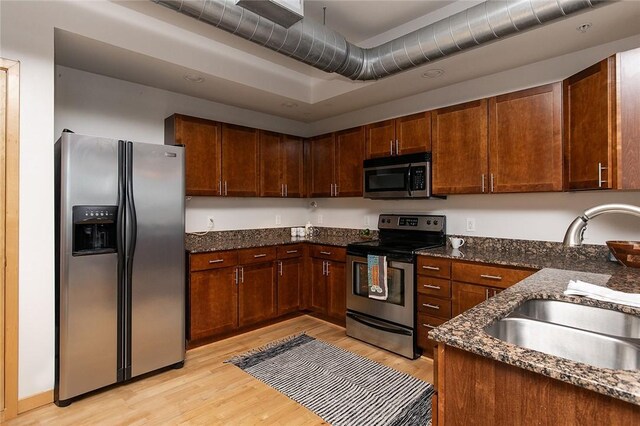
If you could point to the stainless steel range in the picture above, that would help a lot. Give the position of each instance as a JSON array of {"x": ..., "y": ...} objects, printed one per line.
[{"x": 390, "y": 323}]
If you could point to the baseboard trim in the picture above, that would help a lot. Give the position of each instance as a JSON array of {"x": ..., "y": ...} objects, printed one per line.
[{"x": 35, "y": 401}]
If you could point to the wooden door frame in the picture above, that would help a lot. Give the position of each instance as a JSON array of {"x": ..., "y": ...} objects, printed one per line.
[{"x": 10, "y": 149}]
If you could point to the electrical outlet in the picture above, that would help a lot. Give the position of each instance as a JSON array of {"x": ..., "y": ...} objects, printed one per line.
[
  {"x": 210, "y": 223},
  {"x": 278, "y": 219},
  {"x": 471, "y": 224},
  {"x": 366, "y": 221},
  {"x": 320, "y": 219}
]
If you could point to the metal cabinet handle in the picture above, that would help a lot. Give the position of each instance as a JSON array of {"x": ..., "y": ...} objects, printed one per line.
[
  {"x": 280, "y": 268},
  {"x": 431, "y": 268},
  {"x": 291, "y": 251},
  {"x": 282, "y": 189},
  {"x": 259, "y": 255},
  {"x": 486, "y": 294},
  {"x": 428, "y": 326},
  {"x": 436, "y": 287},
  {"x": 236, "y": 280},
  {"x": 216, "y": 261},
  {"x": 242, "y": 274},
  {"x": 328, "y": 264},
  {"x": 600, "y": 169},
  {"x": 491, "y": 183},
  {"x": 324, "y": 267},
  {"x": 331, "y": 190},
  {"x": 491, "y": 277},
  {"x": 336, "y": 192},
  {"x": 220, "y": 187},
  {"x": 397, "y": 147},
  {"x": 225, "y": 188},
  {"x": 428, "y": 305},
  {"x": 391, "y": 147},
  {"x": 286, "y": 189},
  {"x": 327, "y": 253},
  {"x": 483, "y": 183}
]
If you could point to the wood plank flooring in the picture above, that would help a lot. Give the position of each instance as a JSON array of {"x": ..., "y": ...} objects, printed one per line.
[{"x": 206, "y": 391}]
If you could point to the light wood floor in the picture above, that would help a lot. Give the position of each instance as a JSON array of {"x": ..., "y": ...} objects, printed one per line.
[{"x": 206, "y": 391}]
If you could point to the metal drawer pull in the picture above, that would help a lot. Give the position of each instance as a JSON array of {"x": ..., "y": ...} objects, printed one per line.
[
  {"x": 291, "y": 251},
  {"x": 486, "y": 294},
  {"x": 431, "y": 286},
  {"x": 428, "y": 305},
  {"x": 216, "y": 261},
  {"x": 431, "y": 268},
  {"x": 327, "y": 253},
  {"x": 428, "y": 326},
  {"x": 491, "y": 277},
  {"x": 259, "y": 255}
]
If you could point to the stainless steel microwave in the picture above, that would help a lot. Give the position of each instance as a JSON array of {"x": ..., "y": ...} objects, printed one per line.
[{"x": 401, "y": 176}]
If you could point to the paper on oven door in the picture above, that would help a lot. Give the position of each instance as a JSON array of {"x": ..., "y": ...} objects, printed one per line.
[{"x": 377, "y": 277}]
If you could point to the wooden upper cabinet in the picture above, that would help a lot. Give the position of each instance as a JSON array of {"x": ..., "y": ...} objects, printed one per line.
[
  {"x": 590, "y": 127},
  {"x": 201, "y": 139},
  {"x": 380, "y": 139},
  {"x": 240, "y": 162},
  {"x": 413, "y": 133},
  {"x": 460, "y": 140},
  {"x": 602, "y": 130},
  {"x": 525, "y": 140},
  {"x": 270, "y": 165},
  {"x": 321, "y": 163},
  {"x": 349, "y": 156},
  {"x": 292, "y": 165},
  {"x": 404, "y": 135}
]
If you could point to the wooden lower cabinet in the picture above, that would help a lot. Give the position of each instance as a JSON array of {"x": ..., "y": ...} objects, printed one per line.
[
  {"x": 337, "y": 290},
  {"x": 257, "y": 293},
  {"x": 474, "y": 390},
  {"x": 290, "y": 273},
  {"x": 466, "y": 296},
  {"x": 213, "y": 296},
  {"x": 318, "y": 285}
]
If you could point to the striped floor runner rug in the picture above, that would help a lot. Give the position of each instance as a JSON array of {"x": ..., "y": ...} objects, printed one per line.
[{"x": 341, "y": 387}]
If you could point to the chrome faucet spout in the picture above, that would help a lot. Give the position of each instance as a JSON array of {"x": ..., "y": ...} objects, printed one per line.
[{"x": 575, "y": 233}]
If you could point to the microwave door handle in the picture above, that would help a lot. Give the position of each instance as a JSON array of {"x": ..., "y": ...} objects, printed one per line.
[{"x": 409, "y": 180}]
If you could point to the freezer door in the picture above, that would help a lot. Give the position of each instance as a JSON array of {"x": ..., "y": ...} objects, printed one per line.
[
  {"x": 86, "y": 286},
  {"x": 157, "y": 269}
]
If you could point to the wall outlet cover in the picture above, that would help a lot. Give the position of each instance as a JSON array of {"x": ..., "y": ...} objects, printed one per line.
[
  {"x": 320, "y": 219},
  {"x": 471, "y": 224},
  {"x": 210, "y": 223},
  {"x": 278, "y": 219}
]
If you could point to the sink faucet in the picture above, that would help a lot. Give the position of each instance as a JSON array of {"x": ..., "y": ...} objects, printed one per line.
[{"x": 575, "y": 232}]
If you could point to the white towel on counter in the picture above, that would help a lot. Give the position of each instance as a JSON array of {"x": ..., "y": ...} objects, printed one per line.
[{"x": 581, "y": 288}]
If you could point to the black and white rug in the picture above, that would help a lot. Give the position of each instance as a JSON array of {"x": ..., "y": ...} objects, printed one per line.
[{"x": 341, "y": 387}]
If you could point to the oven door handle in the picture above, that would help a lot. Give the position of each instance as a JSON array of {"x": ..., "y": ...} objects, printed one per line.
[
  {"x": 369, "y": 323},
  {"x": 409, "y": 180}
]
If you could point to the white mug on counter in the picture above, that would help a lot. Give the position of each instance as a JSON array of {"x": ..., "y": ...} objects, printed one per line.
[{"x": 456, "y": 242}]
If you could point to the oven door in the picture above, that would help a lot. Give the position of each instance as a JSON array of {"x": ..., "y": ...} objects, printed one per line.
[
  {"x": 399, "y": 306},
  {"x": 387, "y": 181}
]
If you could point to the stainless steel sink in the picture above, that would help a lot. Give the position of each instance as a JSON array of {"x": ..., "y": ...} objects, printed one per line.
[
  {"x": 595, "y": 336},
  {"x": 584, "y": 317}
]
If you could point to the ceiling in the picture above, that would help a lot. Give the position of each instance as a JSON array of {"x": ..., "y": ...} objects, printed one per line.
[{"x": 240, "y": 73}]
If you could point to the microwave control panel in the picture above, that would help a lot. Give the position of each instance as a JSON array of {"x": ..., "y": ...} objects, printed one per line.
[{"x": 418, "y": 180}]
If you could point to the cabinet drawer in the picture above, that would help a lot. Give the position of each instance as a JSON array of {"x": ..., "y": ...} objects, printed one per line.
[
  {"x": 425, "y": 324},
  {"x": 290, "y": 250},
  {"x": 434, "y": 267},
  {"x": 493, "y": 276},
  {"x": 434, "y": 286},
  {"x": 256, "y": 255},
  {"x": 433, "y": 306},
  {"x": 212, "y": 260},
  {"x": 329, "y": 252}
]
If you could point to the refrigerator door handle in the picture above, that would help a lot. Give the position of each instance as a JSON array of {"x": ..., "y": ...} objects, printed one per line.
[
  {"x": 120, "y": 244},
  {"x": 131, "y": 248}
]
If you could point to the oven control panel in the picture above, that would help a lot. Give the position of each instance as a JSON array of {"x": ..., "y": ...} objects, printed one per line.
[{"x": 433, "y": 223}]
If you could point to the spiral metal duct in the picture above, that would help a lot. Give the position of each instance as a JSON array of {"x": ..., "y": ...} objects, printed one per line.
[{"x": 325, "y": 49}]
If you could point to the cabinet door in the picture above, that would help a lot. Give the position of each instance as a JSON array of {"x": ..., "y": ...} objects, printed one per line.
[
  {"x": 525, "y": 138},
  {"x": 270, "y": 165},
  {"x": 201, "y": 140},
  {"x": 590, "y": 127},
  {"x": 460, "y": 149},
  {"x": 257, "y": 295},
  {"x": 292, "y": 160},
  {"x": 322, "y": 160},
  {"x": 240, "y": 167},
  {"x": 213, "y": 302},
  {"x": 414, "y": 133},
  {"x": 349, "y": 158},
  {"x": 381, "y": 139},
  {"x": 466, "y": 296},
  {"x": 318, "y": 285},
  {"x": 337, "y": 291},
  {"x": 289, "y": 274}
]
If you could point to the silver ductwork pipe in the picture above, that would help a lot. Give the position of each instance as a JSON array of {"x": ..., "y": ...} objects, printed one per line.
[{"x": 325, "y": 49}]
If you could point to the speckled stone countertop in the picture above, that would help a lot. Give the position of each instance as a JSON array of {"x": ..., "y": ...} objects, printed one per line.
[
  {"x": 250, "y": 238},
  {"x": 466, "y": 331}
]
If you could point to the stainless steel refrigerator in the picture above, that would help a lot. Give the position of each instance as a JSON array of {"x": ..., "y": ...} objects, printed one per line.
[{"x": 120, "y": 279}]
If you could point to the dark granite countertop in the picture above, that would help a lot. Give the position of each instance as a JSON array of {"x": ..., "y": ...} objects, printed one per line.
[
  {"x": 250, "y": 238},
  {"x": 558, "y": 266}
]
